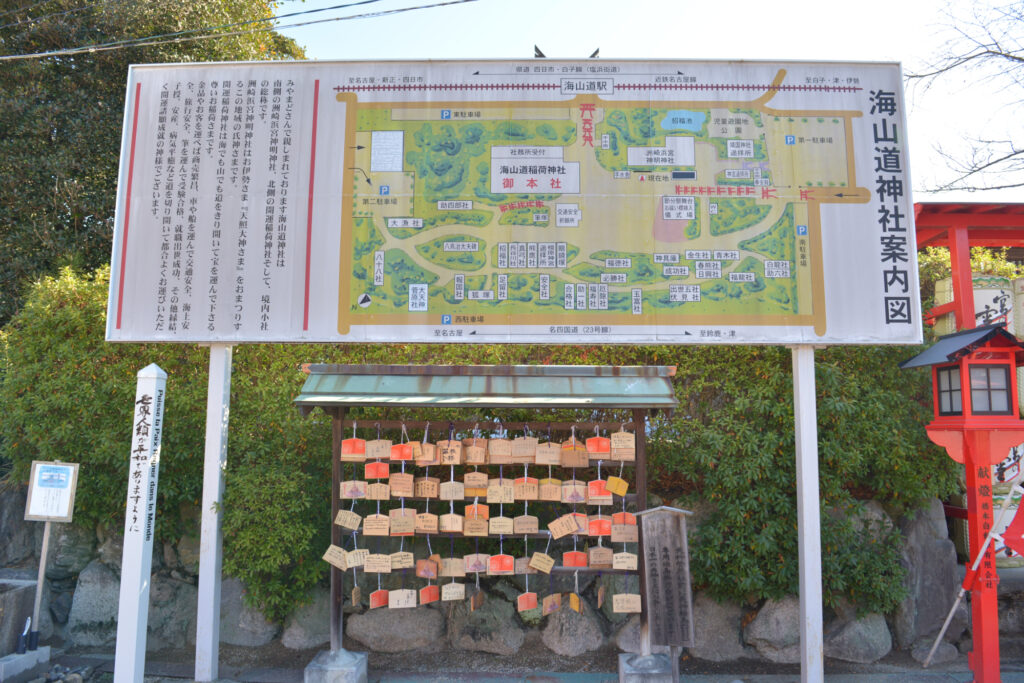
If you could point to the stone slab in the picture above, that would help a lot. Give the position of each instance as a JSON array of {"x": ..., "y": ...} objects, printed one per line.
[
  {"x": 649, "y": 669},
  {"x": 15, "y": 665},
  {"x": 337, "y": 666}
]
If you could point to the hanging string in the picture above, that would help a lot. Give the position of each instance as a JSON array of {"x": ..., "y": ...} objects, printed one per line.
[
  {"x": 599, "y": 507},
  {"x": 353, "y": 429},
  {"x": 526, "y": 553},
  {"x": 621, "y": 469}
]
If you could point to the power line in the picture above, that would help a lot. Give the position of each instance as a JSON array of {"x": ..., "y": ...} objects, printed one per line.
[
  {"x": 150, "y": 41},
  {"x": 32, "y": 20},
  {"x": 187, "y": 31},
  {"x": 24, "y": 9}
]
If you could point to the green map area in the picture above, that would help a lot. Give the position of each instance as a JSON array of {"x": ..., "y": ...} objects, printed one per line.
[{"x": 565, "y": 209}]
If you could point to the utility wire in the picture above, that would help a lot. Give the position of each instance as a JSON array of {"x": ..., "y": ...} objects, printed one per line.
[
  {"x": 187, "y": 31},
  {"x": 155, "y": 40},
  {"x": 32, "y": 20},
  {"x": 24, "y": 9}
]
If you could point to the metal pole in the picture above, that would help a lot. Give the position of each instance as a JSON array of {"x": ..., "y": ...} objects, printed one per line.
[
  {"x": 640, "y": 433},
  {"x": 337, "y": 576},
  {"x": 218, "y": 400},
  {"x": 812, "y": 660}
]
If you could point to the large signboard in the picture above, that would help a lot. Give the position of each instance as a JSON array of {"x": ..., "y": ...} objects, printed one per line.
[{"x": 531, "y": 201}]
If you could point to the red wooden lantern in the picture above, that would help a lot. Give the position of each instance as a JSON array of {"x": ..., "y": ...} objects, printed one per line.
[{"x": 977, "y": 420}]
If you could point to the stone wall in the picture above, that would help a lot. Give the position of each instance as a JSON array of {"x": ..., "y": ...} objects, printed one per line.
[{"x": 81, "y": 595}]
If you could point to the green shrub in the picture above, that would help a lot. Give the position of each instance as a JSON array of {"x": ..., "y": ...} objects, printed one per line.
[{"x": 66, "y": 394}]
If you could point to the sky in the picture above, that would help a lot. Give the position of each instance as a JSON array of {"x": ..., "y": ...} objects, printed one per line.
[{"x": 912, "y": 32}]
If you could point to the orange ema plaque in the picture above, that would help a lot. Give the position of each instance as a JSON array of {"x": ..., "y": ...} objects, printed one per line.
[
  {"x": 526, "y": 601},
  {"x": 353, "y": 450},
  {"x": 478, "y": 511},
  {"x": 401, "y": 451},
  {"x": 599, "y": 525},
  {"x": 574, "y": 558},
  {"x": 378, "y": 598},
  {"x": 599, "y": 447},
  {"x": 501, "y": 564},
  {"x": 598, "y": 493},
  {"x": 377, "y": 470},
  {"x": 429, "y": 594}
]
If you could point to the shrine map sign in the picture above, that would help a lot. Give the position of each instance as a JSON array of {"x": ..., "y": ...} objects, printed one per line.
[{"x": 535, "y": 201}]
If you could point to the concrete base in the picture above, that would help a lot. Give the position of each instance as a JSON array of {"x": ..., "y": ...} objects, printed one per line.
[
  {"x": 337, "y": 666},
  {"x": 15, "y": 665},
  {"x": 646, "y": 669}
]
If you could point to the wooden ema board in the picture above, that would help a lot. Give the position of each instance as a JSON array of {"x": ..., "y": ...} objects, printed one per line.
[
  {"x": 374, "y": 472},
  {"x": 667, "y": 579}
]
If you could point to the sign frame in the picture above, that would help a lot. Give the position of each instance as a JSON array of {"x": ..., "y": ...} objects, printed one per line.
[{"x": 66, "y": 502}]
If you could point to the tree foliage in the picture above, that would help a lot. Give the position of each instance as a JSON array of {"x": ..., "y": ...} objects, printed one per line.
[
  {"x": 727, "y": 450},
  {"x": 61, "y": 116}
]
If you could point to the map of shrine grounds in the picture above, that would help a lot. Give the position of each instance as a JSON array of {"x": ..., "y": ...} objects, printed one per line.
[
  {"x": 588, "y": 211},
  {"x": 623, "y": 202}
]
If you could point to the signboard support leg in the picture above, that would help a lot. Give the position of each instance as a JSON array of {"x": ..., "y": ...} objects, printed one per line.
[
  {"x": 218, "y": 400},
  {"x": 33, "y": 635},
  {"x": 812, "y": 664},
  {"x": 640, "y": 432}
]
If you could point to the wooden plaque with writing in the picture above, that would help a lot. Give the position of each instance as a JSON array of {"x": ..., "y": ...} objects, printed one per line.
[
  {"x": 353, "y": 489},
  {"x": 476, "y": 563},
  {"x": 574, "y": 454},
  {"x": 426, "y": 487},
  {"x": 499, "y": 452},
  {"x": 667, "y": 578},
  {"x": 401, "y": 485},
  {"x": 549, "y": 489},
  {"x": 524, "y": 449},
  {"x": 474, "y": 451},
  {"x": 549, "y": 454},
  {"x": 378, "y": 491},
  {"x": 526, "y": 488},
  {"x": 450, "y": 452},
  {"x": 623, "y": 446},
  {"x": 378, "y": 449},
  {"x": 426, "y": 523},
  {"x": 525, "y": 524},
  {"x": 453, "y": 591},
  {"x": 476, "y": 483}
]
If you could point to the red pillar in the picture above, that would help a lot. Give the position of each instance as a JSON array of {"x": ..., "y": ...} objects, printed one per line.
[
  {"x": 984, "y": 656},
  {"x": 963, "y": 283}
]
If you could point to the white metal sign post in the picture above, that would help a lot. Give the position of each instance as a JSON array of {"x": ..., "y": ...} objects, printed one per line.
[
  {"x": 139, "y": 523},
  {"x": 218, "y": 400},
  {"x": 805, "y": 414}
]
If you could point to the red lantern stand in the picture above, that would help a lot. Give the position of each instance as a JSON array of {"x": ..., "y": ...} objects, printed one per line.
[
  {"x": 974, "y": 380},
  {"x": 976, "y": 441}
]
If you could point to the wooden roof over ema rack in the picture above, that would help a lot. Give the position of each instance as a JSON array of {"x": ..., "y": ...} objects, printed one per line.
[{"x": 488, "y": 386}]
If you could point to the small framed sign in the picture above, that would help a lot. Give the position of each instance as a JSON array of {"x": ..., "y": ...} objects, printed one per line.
[{"x": 51, "y": 491}]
